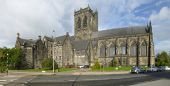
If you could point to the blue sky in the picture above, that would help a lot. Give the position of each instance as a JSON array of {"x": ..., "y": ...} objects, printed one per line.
[{"x": 40, "y": 17}]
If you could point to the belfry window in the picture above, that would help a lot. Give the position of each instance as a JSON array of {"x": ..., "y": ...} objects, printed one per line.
[
  {"x": 79, "y": 23},
  {"x": 85, "y": 22}
]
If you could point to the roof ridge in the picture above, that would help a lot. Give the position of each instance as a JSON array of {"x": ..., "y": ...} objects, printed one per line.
[
  {"x": 132, "y": 30},
  {"x": 128, "y": 27}
]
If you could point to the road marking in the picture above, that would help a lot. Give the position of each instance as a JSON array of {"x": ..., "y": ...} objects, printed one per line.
[
  {"x": 71, "y": 80},
  {"x": 30, "y": 79},
  {"x": 3, "y": 80}
]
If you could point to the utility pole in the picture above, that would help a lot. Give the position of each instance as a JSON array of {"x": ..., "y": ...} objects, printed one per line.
[
  {"x": 53, "y": 54},
  {"x": 7, "y": 63}
]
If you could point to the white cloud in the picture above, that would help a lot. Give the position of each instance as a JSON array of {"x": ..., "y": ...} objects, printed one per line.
[
  {"x": 162, "y": 46},
  {"x": 133, "y": 4},
  {"x": 162, "y": 16},
  {"x": 117, "y": 13},
  {"x": 161, "y": 24},
  {"x": 36, "y": 17}
]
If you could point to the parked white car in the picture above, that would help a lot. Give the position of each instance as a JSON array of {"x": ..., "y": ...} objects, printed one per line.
[
  {"x": 153, "y": 69},
  {"x": 166, "y": 68},
  {"x": 81, "y": 66}
]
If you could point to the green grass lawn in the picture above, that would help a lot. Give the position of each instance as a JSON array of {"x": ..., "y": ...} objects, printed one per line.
[
  {"x": 40, "y": 70},
  {"x": 120, "y": 68},
  {"x": 67, "y": 69},
  {"x": 31, "y": 70},
  {"x": 107, "y": 69}
]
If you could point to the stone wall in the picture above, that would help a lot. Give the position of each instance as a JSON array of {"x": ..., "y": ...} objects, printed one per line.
[{"x": 128, "y": 41}]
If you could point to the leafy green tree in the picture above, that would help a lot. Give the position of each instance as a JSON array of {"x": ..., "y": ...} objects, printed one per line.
[
  {"x": 163, "y": 59},
  {"x": 3, "y": 61},
  {"x": 47, "y": 64},
  {"x": 15, "y": 58},
  {"x": 12, "y": 57}
]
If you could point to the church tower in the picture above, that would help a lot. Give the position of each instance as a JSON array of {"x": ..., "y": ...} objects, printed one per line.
[{"x": 85, "y": 22}]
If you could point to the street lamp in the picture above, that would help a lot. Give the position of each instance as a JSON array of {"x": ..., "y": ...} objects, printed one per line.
[
  {"x": 53, "y": 54},
  {"x": 53, "y": 60},
  {"x": 7, "y": 63}
]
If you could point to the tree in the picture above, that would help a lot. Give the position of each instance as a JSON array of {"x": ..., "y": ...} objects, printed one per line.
[
  {"x": 2, "y": 61},
  {"x": 162, "y": 59},
  {"x": 12, "y": 56},
  {"x": 15, "y": 58}
]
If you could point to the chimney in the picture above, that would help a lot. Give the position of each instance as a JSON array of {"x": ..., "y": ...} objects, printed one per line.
[
  {"x": 18, "y": 35},
  {"x": 67, "y": 33},
  {"x": 39, "y": 37}
]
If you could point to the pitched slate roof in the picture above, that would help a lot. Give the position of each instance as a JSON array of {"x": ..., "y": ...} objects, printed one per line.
[
  {"x": 121, "y": 32},
  {"x": 60, "y": 38},
  {"x": 80, "y": 44},
  {"x": 48, "y": 38},
  {"x": 27, "y": 42}
]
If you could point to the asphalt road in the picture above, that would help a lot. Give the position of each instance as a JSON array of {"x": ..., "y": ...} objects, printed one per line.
[{"x": 90, "y": 80}]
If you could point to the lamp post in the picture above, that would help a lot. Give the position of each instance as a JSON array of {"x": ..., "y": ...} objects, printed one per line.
[
  {"x": 53, "y": 59},
  {"x": 7, "y": 63},
  {"x": 53, "y": 54}
]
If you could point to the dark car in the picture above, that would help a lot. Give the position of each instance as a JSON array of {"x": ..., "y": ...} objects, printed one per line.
[
  {"x": 160, "y": 69},
  {"x": 86, "y": 66}
]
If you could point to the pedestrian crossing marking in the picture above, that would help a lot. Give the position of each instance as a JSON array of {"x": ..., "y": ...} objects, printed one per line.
[{"x": 3, "y": 80}]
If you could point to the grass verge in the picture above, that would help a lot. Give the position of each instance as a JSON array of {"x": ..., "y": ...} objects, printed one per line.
[
  {"x": 40, "y": 70},
  {"x": 110, "y": 69}
]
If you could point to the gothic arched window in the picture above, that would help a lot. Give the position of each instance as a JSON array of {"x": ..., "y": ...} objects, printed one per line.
[
  {"x": 144, "y": 49},
  {"x": 79, "y": 23},
  {"x": 133, "y": 49},
  {"x": 102, "y": 51},
  {"x": 85, "y": 21},
  {"x": 123, "y": 48},
  {"x": 112, "y": 50}
]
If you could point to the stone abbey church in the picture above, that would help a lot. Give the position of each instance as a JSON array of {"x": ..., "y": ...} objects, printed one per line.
[{"x": 123, "y": 46}]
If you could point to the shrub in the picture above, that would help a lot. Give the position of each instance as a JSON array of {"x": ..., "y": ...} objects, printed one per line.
[
  {"x": 48, "y": 64},
  {"x": 114, "y": 63},
  {"x": 2, "y": 68},
  {"x": 96, "y": 65}
]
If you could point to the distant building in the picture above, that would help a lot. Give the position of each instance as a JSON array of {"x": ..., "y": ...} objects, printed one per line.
[{"x": 125, "y": 46}]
